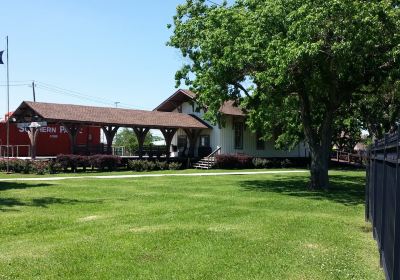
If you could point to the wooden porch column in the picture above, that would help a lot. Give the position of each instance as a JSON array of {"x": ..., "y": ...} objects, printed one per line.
[
  {"x": 33, "y": 133},
  {"x": 72, "y": 130},
  {"x": 109, "y": 132},
  {"x": 141, "y": 133},
  {"x": 193, "y": 135},
  {"x": 168, "y": 134}
]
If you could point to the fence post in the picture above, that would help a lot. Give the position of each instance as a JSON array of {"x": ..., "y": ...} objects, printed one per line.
[
  {"x": 367, "y": 186},
  {"x": 396, "y": 245},
  {"x": 374, "y": 218},
  {"x": 383, "y": 202}
]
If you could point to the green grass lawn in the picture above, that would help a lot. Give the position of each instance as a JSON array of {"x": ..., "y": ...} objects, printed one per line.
[
  {"x": 3, "y": 175},
  {"x": 223, "y": 227}
]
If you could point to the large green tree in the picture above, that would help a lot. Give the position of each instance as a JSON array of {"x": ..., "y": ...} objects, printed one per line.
[
  {"x": 380, "y": 111},
  {"x": 347, "y": 129},
  {"x": 292, "y": 64},
  {"x": 127, "y": 138}
]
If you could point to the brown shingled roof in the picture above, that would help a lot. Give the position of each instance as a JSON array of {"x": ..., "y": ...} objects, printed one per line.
[
  {"x": 176, "y": 99},
  {"x": 56, "y": 113},
  {"x": 230, "y": 108},
  {"x": 171, "y": 103}
]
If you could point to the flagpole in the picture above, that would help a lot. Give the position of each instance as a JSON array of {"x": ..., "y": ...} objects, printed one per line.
[{"x": 8, "y": 111}]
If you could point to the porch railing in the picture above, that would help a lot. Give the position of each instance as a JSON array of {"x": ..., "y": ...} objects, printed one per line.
[
  {"x": 15, "y": 151},
  {"x": 350, "y": 158}
]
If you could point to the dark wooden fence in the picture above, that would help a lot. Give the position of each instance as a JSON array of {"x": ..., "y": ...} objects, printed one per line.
[{"x": 383, "y": 201}]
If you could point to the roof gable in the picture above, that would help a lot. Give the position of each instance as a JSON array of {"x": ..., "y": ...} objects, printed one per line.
[
  {"x": 175, "y": 100},
  {"x": 180, "y": 96}
]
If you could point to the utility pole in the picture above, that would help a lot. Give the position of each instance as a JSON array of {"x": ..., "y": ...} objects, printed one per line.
[
  {"x": 116, "y": 104},
  {"x": 8, "y": 111},
  {"x": 33, "y": 91}
]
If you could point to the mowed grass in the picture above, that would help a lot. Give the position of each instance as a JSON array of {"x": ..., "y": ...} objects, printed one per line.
[
  {"x": 223, "y": 227},
  {"x": 90, "y": 173}
]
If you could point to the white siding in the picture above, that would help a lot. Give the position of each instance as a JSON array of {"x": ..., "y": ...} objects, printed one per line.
[
  {"x": 214, "y": 132},
  {"x": 227, "y": 143},
  {"x": 224, "y": 137}
]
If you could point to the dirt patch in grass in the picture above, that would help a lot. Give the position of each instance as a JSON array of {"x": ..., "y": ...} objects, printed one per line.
[
  {"x": 222, "y": 228},
  {"x": 312, "y": 246},
  {"x": 88, "y": 218},
  {"x": 149, "y": 228}
]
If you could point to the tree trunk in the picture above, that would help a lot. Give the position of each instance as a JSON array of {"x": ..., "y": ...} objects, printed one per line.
[
  {"x": 319, "y": 139},
  {"x": 320, "y": 147},
  {"x": 319, "y": 167}
]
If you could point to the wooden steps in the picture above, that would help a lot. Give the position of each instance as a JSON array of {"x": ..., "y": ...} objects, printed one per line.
[
  {"x": 205, "y": 163},
  {"x": 209, "y": 161}
]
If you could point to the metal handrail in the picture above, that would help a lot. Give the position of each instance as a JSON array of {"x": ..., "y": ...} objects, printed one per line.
[
  {"x": 212, "y": 155},
  {"x": 120, "y": 151}
]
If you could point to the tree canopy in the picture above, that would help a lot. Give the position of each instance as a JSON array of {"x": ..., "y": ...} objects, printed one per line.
[
  {"x": 294, "y": 65},
  {"x": 127, "y": 138}
]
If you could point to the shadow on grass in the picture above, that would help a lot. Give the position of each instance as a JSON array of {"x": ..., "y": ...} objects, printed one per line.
[
  {"x": 44, "y": 202},
  {"x": 4, "y": 186},
  {"x": 347, "y": 190},
  {"x": 7, "y": 204}
]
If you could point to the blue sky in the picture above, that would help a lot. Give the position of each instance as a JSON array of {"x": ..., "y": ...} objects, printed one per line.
[{"x": 113, "y": 50}]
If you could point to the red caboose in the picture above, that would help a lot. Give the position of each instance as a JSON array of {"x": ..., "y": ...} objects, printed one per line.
[{"x": 52, "y": 140}]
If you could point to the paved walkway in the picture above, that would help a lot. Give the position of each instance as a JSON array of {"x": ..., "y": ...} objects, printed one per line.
[{"x": 153, "y": 175}]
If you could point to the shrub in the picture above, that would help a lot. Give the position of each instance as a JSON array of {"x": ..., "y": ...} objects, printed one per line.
[
  {"x": 233, "y": 161},
  {"x": 136, "y": 165},
  {"x": 40, "y": 167},
  {"x": 103, "y": 162},
  {"x": 65, "y": 161},
  {"x": 20, "y": 165},
  {"x": 2, "y": 165},
  {"x": 150, "y": 165},
  {"x": 81, "y": 161},
  {"x": 286, "y": 163},
  {"x": 261, "y": 163},
  {"x": 143, "y": 165},
  {"x": 27, "y": 166},
  {"x": 162, "y": 165},
  {"x": 226, "y": 161},
  {"x": 54, "y": 167},
  {"x": 174, "y": 165},
  {"x": 14, "y": 165},
  {"x": 244, "y": 161},
  {"x": 100, "y": 162}
]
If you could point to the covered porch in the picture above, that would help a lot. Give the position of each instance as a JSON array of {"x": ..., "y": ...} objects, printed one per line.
[{"x": 33, "y": 115}]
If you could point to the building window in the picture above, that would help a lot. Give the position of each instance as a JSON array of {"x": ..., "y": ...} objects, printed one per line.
[
  {"x": 204, "y": 140},
  {"x": 260, "y": 143},
  {"x": 238, "y": 127}
]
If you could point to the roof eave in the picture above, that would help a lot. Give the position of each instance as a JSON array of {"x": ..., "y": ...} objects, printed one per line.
[{"x": 170, "y": 97}]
